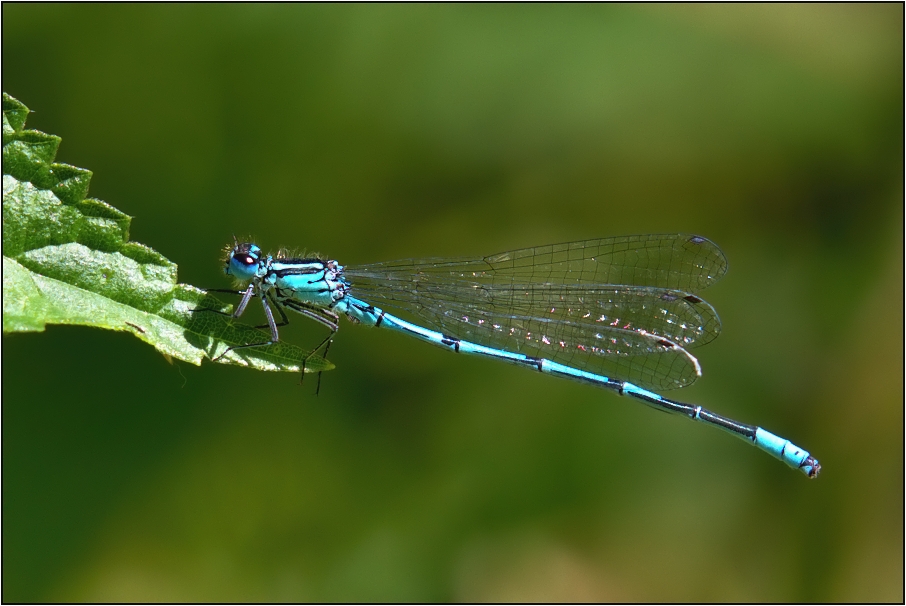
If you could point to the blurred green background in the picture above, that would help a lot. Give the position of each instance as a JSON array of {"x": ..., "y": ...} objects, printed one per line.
[{"x": 379, "y": 132}]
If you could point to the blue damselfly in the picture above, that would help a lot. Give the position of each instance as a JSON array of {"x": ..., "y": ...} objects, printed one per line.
[{"x": 620, "y": 313}]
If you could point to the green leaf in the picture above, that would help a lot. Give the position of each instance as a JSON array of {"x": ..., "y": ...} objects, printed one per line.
[{"x": 67, "y": 260}]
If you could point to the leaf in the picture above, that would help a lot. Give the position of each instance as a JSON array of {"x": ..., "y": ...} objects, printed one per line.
[{"x": 68, "y": 260}]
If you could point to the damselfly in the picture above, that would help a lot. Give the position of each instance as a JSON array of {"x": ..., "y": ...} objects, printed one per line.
[{"x": 620, "y": 313}]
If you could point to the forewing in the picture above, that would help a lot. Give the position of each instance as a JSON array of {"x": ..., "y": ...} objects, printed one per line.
[{"x": 680, "y": 262}]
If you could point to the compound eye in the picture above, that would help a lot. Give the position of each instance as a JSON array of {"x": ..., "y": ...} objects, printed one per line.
[{"x": 245, "y": 259}]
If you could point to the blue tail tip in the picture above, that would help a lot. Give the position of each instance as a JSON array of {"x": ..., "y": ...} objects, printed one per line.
[{"x": 811, "y": 467}]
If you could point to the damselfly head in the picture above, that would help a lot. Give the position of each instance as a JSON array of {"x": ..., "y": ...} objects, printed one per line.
[
  {"x": 234, "y": 246},
  {"x": 243, "y": 260}
]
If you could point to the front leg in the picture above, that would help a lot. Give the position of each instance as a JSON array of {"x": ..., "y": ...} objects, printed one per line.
[
  {"x": 217, "y": 311},
  {"x": 275, "y": 335}
]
